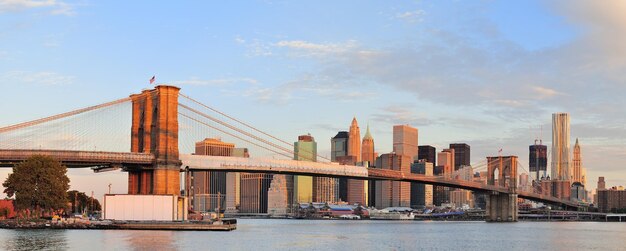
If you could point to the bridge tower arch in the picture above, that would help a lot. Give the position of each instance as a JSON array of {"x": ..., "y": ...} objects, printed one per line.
[
  {"x": 154, "y": 130},
  {"x": 502, "y": 172}
]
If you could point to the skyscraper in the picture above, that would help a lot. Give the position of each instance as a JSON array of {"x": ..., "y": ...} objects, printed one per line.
[
  {"x": 560, "y": 146},
  {"x": 204, "y": 187},
  {"x": 367, "y": 150},
  {"x": 446, "y": 160},
  {"x": 405, "y": 140},
  {"x": 577, "y": 165},
  {"x": 305, "y": 149},
  {"x": 428, "y": 153},
  {"x": 354, "y": 140},
  {"x": 601, "y": 183},
  {"x": 369, "y": 155},
  {"x": 538, "y": 160},
  {"x": 393, "y": 193},
  {"x": 421, "y": 194},
  {"x": 461, "y": 155},
  {"x": 339, "y": 145},
  {"x": 327, "y": 189},
  {"x": 254, "y": 188}
]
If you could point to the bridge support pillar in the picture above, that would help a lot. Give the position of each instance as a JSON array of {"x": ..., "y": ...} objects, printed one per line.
[
  {"x": 502, "y": 207},
  {"x": 155, "y": 130},
  {"x": 502, "y": 172}
]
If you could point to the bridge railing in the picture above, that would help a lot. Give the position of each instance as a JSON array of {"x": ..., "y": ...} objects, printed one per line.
[
  {"x": 79, "y": 156},
  {"x": 268, "y": 165}
]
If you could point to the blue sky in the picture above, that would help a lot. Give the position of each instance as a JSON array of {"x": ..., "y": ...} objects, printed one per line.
[{"x": 488, "y": 73}]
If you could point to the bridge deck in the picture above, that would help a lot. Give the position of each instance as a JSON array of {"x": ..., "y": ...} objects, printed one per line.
[
  {"x": 255, "y": 165},
  {"x": 78, "y": 159}
]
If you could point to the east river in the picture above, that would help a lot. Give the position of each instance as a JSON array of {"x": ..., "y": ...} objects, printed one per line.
[{"x": 265, "y": 234}]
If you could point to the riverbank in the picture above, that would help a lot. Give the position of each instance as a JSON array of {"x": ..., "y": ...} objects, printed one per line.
[{"x": 223, "y": 225}]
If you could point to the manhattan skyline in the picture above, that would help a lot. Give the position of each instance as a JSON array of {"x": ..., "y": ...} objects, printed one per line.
[{"x": 490, "y": 78}]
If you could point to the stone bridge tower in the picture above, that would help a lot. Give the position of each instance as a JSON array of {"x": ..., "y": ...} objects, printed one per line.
[
  {"x": 155, "y": 130},
  {"x": 502, "y": 172}
]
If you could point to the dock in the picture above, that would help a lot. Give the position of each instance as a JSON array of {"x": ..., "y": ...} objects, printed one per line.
[{"x": 223, "y": 225}]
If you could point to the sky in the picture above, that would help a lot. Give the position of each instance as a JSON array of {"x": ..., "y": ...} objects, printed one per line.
[{"x": 488, "y": 73}]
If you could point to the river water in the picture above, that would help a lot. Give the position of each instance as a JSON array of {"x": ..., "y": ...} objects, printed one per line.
[{"x": 265, "y": 234}]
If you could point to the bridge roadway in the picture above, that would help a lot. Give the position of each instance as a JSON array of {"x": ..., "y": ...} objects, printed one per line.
[
  {"x": 257, "y": 165},
  {"x": 80, "y": 159},
  {"x": 101, "y": 161}
]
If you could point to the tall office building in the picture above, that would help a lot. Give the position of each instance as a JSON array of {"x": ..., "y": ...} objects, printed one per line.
[
  {"x": 327, "y": 189},
  {"x": 601, "y": 183},
  {"x": 368, "y": 158},
  {"x": 441, "y": 194},
  {"x": 204, "y": 187},
  {"x": 461, "y": 155},
  {"x": 278, "y": 197},
  {"x": 393, "y": 193},
  {"x": 421, "y": 194},
  {"x": 233, "y": 183},
  {"x": 336, "y": 189},
  {"x": 305, "y": 149},
  {"x": 351, "y": 190},
  {"x": 560, "y": 146},
  {"x": 367, "y": 148},
  {"x": 405, "y": 141},
  {"x": 339, "y": 145},
  {"x": 446, "y": 160},
  {"x": 428, "y": 153},
  {"x": 354, "y": 140},
  {"x": 296, "y": 188},
  {"x": 538, "y": 160},
  {"x": 254, "y": 188},
  {"x": 577, "y": 174}
]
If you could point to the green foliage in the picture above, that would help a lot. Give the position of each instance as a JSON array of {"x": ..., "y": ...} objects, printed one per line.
[
  {"x": 39, "y": 183},
  {"x": 4, "y": 212},
  {"x": 81, "y": 202}
]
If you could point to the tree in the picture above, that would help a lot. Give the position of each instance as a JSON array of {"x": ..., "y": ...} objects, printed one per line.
[
  {"x": 80, "y": 202},
  {"x": 39, "y": 183}
]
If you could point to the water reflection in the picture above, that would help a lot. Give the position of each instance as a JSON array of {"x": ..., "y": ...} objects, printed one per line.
[
  {"x": 43, "y": 239},
  {"x": 151, "y": 240},
  {"x": 335, "y": 235}
]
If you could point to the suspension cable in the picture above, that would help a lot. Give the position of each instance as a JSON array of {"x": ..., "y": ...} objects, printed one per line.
[
  {"x": 237, "y": 129},
  {"x": 233, "y": 135},
  {"x": 62, "y": 115},
  {"x": 246, "y": 125}
]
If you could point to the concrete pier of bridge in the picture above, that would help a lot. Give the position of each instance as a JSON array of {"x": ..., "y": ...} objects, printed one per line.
[{"x": 155, "y": 130}]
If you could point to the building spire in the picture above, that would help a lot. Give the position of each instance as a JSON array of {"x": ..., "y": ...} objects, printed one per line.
[{"x": 368, "y": 135}]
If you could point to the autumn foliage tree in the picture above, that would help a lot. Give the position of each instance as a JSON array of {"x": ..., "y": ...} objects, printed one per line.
[
  {"x": 80, "y": 202},
  {"x": 39, "y": 183}
]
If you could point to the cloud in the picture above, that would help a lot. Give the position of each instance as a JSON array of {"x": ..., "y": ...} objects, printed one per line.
[
  {"x": 37, "y": 78},
  {"x": 415, "y": 16},
  {"x": 544, "y": 92},
  {"x": 401, "y": 115},
  {"x": 308, "y": 85},
  {"x": 55, "y": 7},
  {"x": 216, "y": 82},
  {"x": 304, "y": 48},
  {"x": 255, "y": 47}
]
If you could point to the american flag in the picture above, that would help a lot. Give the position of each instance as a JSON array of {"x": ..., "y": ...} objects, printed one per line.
[{"x": 152, "y": 80}]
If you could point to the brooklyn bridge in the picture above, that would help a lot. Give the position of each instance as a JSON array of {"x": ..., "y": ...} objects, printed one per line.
[{"x": 164, "y": 123}]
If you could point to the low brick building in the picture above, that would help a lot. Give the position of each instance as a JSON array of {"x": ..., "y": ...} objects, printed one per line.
[
  {"x": 611, "y": 200},
  {"x": 7, "y": 209}
]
